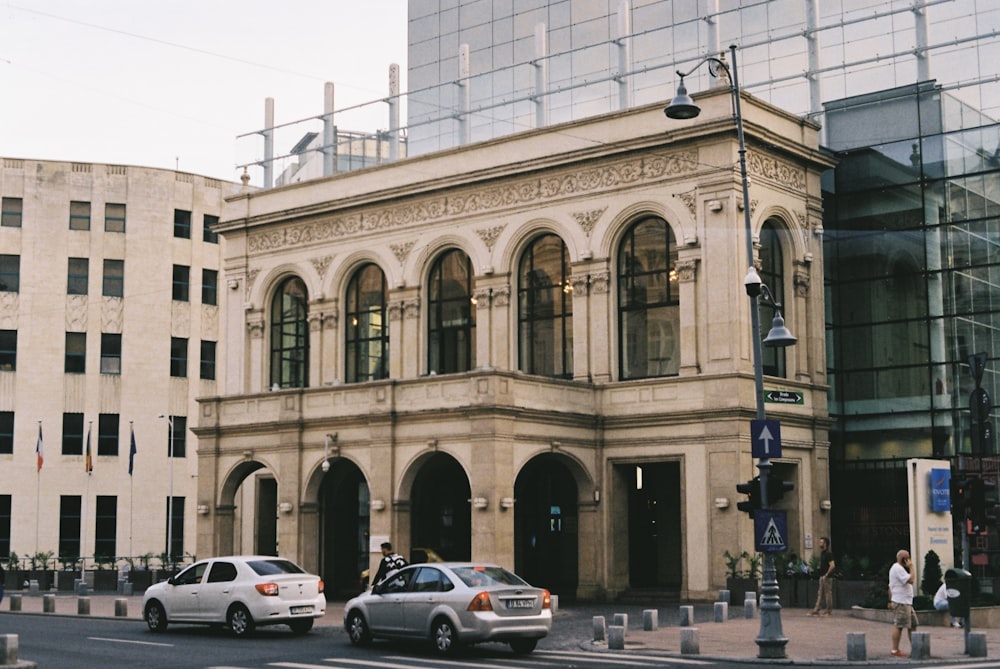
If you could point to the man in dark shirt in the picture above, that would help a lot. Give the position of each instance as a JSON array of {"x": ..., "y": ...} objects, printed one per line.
[
  {"x": 826, "y": 567},
  {"x": 390, "y": 563}
]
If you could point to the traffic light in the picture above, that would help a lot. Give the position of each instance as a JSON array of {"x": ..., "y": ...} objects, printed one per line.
[
  {"x": 960, "y": 497},
  {"x": 776, "y": 489},
  {"x": 981, "y": 426},
  {"x": 982, "y": 511},
  {"x": 752, "y": 490}
]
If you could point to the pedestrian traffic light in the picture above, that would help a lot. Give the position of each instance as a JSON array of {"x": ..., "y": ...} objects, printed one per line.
[
  {"x": 776, "y": 489},
  {"x": 752, "y": 490}
]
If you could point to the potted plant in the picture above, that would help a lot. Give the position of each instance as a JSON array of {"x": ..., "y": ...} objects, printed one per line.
[
  {"x": 142, "y": 577},
  {"x": 105, "y": 578},
  {"x": 853, "y": 580},
  {"x": 40, "y": 569},
  {"x": 738, "y": 580},
  {"x": 13, "y": 578}
]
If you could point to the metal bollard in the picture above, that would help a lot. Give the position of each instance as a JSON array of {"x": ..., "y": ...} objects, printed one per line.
[
  {"x": 616, "y": 637},
  {"x": 121, "y": 607},
  {"x": 15, "y": 602},
  {"x": 689, "y": 641},
  {"x": 856, "y": 649},
  {"x": 650, "y": 619},
  {"x": 686, "y": 615},
  {"x": 48, "y": 603},
  {"x": 721, "y": 612},
  {"x": 83, "y": 606}
]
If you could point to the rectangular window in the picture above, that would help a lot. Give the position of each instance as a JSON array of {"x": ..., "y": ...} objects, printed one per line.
[
  {"x": 8, "y": 350},
  {"x": 105, "y": 527},
  {"x": 182, "y": 224},
  {"x": 6, "y": 434},
  {"x": 11, "y": 210},
  {"x": 209, "y": 287},
  {"x": 176, "y": 516},
  {"x": 76, "y": 353},
  {"x": 208, "y": 229},
  {"x": 114, "y": 217},
  {"x": 208, "y": 360},
  {"x": 182, "y": 283},
  {"x": 178, "y": 429},
  {"x": 78, "y": 276},
  {"x": 111, "y": 353},
  {"x": 114, "y": 278},
  {"x": 178, "y": 356},
  {"x": 69, "y": 526},
  {"x": 79, "y": 216},
  {"x": 107, "y": 434},
  {"x": 72, "y": 434},
  {"x": 5, "y": 525},
  {"x": 10, "y": 273}
]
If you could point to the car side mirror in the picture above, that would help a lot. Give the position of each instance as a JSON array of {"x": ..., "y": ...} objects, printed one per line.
[{"x": 170, "y": 581}]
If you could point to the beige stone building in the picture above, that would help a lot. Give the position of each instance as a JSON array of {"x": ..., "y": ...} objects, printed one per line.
[
  {"x": 109, "y": 318},
  {"x": 534, "y": 350}
]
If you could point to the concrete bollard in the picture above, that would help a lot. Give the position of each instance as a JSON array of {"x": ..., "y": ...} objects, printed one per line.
[
  {"x": 599, "y": 628},
  {"x": 686, "y": 616},
  {"x": 689, "y": 641},
  {"x": 616, "y": 637},
  {"x": 121, "y": 607},
  {"x": 15, "y": 602},
  {"x": 127, "y": 589},
  {"x": 553, "y": 602},
  {"x": 724, "y": 596},
  {"x": 856, "y": 650},
  {"x": 48, "y": 603},
  {"x": 721, "y": 612},
  {"x": 621, "y": 619},
  {"x": 650, "y": 619},
  {"x": 33, "y": 586},
  {"x": 8, "y": 650},
  {"x": 976, "y": 644},
  {"x": 920, "y": 646},
  {"x": 749, "y": 609},
  {"x": 83, "y": 606}
]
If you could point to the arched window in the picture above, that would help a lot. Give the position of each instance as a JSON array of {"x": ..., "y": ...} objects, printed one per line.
[
  {"x": 648, "y": 304},
  {"x": 772, "y": 273},
  {"x": 545, "y": 309},
  {"x": 290, "y": 335},
  {"x": 367, "y": 326},
  {"x": 451, "y": 320}
]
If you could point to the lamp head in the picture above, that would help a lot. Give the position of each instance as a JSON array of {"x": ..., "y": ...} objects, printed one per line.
[
  {"x": 779, "y": 336},
  {"x": 325, "y": 466},
  {"x": 682, "y": 107}
]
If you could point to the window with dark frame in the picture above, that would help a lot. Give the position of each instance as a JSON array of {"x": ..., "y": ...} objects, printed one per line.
[
  {"x": 8, "y": 350},
  {"x": 209, "y": 287},
  {"x": 111, "y": 353},
  {"x": 114, "y": 217},
  {"x": 78, "y": 276},
  {"x": 114, "y": 278},
  {"x": 182, "y": 224},
  {"x": 545, "y": 309},
  {"x": 11, "y": 211},
  {"x": 5, "y": 525},
  {"x": 451, "y": 321},
  {"x": 290, "y": 335},
  {"x": 367, "y": 349},
  {"x": 10, "y": 273},
  {"x": 179, "y": 435},
  {"x": 178, "y": 356},
  {"x": 208, "y": 360},
  {"x": 69, "y": 526},
  {"x": 181, "y": 283},
  {"x": 177, "y": 525},
  {"x": 79, "y": 215},
  {"x": 107, "y": 434},
  {"x": 106, "y": 527},
  {"x": 6, "y": 434},
  {"x": 208, "y": 229},
  {"x": 72, "y": 434},
  {"x": 76, "y": 353}
]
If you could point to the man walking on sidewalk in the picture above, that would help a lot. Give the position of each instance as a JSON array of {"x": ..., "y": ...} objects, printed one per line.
[
  {"x": 825, "y": 590},
  {"x": 901, "y": 576}
]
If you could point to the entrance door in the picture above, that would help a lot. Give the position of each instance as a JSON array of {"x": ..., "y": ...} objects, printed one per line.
[
  {"x": 344, "y": 520},
  {"x": 441, "y": 517},
  {"x": 654, "y": 524},
  {"x": 267, "y": 516}
]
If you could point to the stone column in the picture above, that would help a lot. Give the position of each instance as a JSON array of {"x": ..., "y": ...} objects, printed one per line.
[
  {"x": 581, "y": 326},
  {"x": 601, "y": 306},
  {"x": 689, "y": 307},
  {"x": 257, "y": 358}
]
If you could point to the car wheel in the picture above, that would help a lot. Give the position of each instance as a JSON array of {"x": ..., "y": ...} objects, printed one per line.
[
  {"x": 523, "y": 646},
  {"x": 156, "y": 617},
  {"x": 444, "y": 637},
  {"x": 301, "y": 626},
  {"x": 239, "y": 621},
  {"x": 357, "y": 629}
]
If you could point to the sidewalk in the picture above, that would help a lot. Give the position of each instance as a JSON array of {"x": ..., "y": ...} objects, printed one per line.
[{"x": 810, "y": 639}]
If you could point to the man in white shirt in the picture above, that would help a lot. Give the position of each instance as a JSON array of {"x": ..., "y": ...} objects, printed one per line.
[{"x": 901, "y": 600}]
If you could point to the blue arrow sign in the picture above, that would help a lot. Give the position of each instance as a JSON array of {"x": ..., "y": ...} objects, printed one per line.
[
  {"x": 770, "y": 530},
  {"x": 765, "y": 438}
]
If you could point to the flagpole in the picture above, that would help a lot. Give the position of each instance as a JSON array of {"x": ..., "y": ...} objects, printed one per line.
[
  {"x": 38, "y": 481},
  {"x": 83, "y": 520},
  {"x": 131, "y": 483}
]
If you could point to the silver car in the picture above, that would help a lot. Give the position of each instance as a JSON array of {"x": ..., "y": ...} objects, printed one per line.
[
  {"x": 240, "y": 592},
  {"x": 452, "y": 604}
]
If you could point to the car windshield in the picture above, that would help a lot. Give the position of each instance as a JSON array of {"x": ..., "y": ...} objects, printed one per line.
[
  {"x": 270, "y": 567},
  {"x": 482, "y": 576}
]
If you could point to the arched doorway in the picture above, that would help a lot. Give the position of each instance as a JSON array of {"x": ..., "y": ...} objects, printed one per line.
[
  {"x": 546, "y": 536},
  {"x": 441, "y": 517},
  {"x": 344, "y": 515},
  {"x": 248, "y": 511}
]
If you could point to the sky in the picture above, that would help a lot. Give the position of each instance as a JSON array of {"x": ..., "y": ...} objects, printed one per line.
[{"x": 172, "y": 84}]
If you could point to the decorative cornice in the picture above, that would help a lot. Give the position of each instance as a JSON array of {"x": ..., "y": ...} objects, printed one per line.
[
  {"x": 769, "y": 167},
  {"x": 588, "y": 219},
  {"x": 490, "y": 235},
  {"x": 469, "y": 201}
]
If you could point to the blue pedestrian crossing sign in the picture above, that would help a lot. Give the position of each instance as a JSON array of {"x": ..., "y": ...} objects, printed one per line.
[
  {"x": 770, "y": 530},
  {"x": 765, "y": 438}
]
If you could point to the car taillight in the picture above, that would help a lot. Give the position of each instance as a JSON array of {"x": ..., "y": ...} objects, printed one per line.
[
  {"x": 546, "y": 599},
  {"x": 481, "y": 602},
  {"x": 319, "y": 586},
  {"x": 267, "y": 589}
]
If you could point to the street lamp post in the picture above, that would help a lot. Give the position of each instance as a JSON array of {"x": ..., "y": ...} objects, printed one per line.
[
  {"x": 170, "y": 497},
  {"x": 771, "y": 640}
]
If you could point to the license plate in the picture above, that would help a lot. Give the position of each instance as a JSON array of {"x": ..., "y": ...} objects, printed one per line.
[
  {"x": 302, "y": 609},
  {"x": 520, "y": 603}
]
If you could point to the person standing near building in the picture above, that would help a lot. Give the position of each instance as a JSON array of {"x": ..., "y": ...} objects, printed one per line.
[
  {"x": 901, "y": 577},
  {"x": 825, "y": 590},
  {"x": 390, "y": 563}
]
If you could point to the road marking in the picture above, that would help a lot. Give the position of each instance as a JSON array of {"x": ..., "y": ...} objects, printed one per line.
[
  {"x": 139, "y": 643},
  {"x": 620, "y": 658}
]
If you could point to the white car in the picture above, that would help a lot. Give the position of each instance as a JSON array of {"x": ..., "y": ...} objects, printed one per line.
[{"x": 240, "y": 592}]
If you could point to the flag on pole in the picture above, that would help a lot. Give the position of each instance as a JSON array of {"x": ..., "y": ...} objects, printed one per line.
[
  {"x": 38, "y": 448},
  {"x": 131, "y": 450},
  {"x": 88, "y": 461}
]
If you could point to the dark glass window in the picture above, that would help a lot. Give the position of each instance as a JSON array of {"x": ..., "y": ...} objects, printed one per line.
[
  {"x": 8, "y": 350},
  {"x": 72, "y": 434},
  {"x": 79, "y": 216},
  {"x": 5, "y": 526},
  {"x": 6, "y": 434},
  {"x": 772, "y": 273},
  {"x": 545, "y": 309},
  {"x": 181, "y": 283},
  {"x": 209, "y": 287},
  {"x": 648, "y": 304},
  {"x": 175, "y": 534},
  {"x": 114, "y": 217},
  {"x": 107, "y": 434},
  {"x": 451, "y": 318},
  {"x": 182, "y": 224},
  {"x": 76, "y": 353},
  {"x": 78, "y": 276},
  {"x": 367, "y": 326},
  {"x": 10, "y": 273},
  {"x": 111, "y": 353},
  {"x": 208, "y": 233},
  {"x": 208, "y": 360},
  {"x": 11, "y": 210},
  {"x": 178, "y": 356},
  {"x": 290, "y": 335},
  {"x": 69, "y": 526},
  {"x": 114, "y": 278},
  {"x": 177, "y": 432},
  {"x": 105, "y": 527}
]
